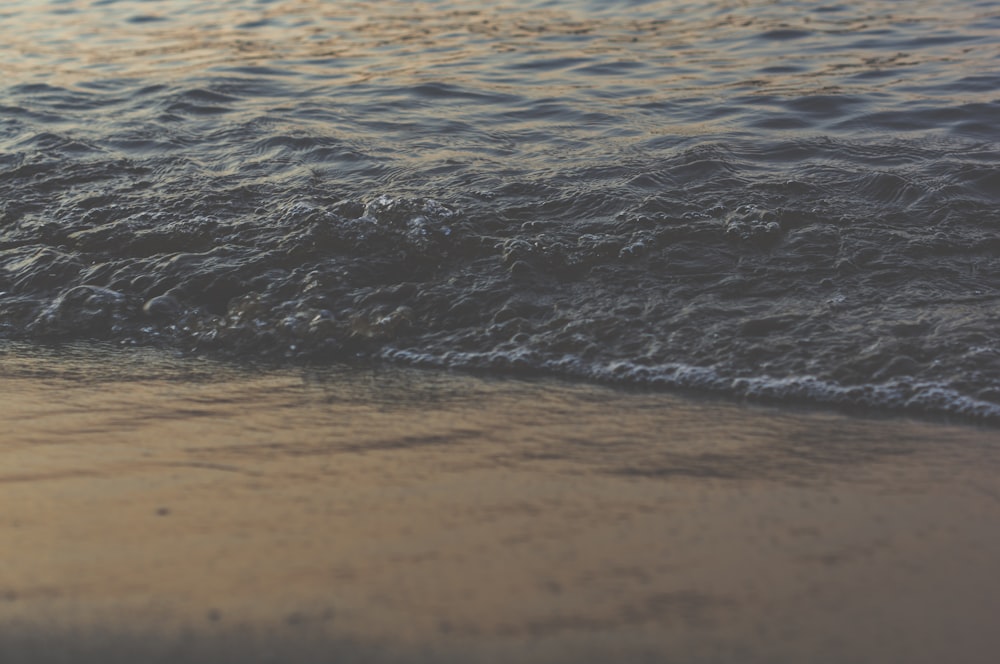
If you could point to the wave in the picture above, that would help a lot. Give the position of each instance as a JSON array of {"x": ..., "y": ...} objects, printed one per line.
[
  {"x": 573, "y": 189},
  {"x": 904, "y": 394}
]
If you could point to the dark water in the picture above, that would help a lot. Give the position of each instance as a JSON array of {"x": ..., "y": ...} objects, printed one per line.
[{"x": 789, "y": 200}]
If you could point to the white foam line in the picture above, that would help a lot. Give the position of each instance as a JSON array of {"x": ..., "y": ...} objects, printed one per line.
[{"x": 900, "y": 394}]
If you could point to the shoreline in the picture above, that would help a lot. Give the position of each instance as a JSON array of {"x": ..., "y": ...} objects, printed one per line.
[{"x": 175, "y": 509}]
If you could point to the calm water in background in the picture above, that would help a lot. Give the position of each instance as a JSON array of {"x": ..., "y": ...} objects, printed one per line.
[{"x": 790, "y": 200}]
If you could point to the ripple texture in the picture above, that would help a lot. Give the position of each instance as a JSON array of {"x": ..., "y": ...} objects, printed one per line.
[{"x": 777, "y": 200}]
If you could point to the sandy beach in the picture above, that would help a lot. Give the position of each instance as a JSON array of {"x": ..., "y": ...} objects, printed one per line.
[{"x": 160, "y": 509}]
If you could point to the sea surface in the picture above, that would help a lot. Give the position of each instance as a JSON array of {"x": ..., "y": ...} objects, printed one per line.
[{"x": 783, "y": 200}]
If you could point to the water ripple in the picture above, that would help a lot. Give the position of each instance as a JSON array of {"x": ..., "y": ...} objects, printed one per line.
[{"x": 792, "y": 199}]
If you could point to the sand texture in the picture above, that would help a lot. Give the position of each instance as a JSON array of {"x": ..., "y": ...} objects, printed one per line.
[{"x": 163, "y": 510}]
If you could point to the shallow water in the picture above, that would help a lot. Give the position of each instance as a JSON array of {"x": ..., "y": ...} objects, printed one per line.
[{"x": 785, "y": 200}]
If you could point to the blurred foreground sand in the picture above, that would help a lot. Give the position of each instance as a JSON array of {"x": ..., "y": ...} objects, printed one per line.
[{"x": 163, "y": 510}]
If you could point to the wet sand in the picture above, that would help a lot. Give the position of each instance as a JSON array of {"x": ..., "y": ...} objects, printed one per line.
[{"x": 159, "y": 509}]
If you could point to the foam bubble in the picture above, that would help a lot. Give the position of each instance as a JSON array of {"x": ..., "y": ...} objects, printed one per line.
[{"x": 900, "y": 394}]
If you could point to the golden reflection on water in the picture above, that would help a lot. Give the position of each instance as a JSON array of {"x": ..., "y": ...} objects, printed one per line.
[
  {"x": 452, "y": 515},
  {"x": 188, "y": 35},
  {"x": 352, "y": 42}
]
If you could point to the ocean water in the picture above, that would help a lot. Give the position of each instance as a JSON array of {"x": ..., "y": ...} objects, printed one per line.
[{"x": 790, "y": 200}]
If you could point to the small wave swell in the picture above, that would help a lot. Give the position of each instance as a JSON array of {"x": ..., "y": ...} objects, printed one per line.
[{"x": 791, "y": 201}]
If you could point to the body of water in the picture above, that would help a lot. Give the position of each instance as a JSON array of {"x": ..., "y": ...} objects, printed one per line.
[{"x": 796, "y": 200}]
